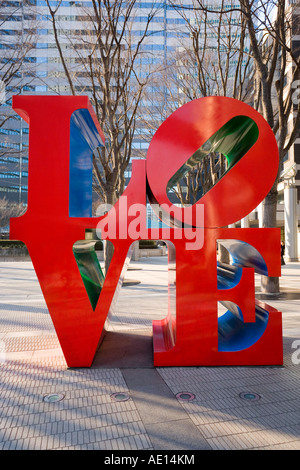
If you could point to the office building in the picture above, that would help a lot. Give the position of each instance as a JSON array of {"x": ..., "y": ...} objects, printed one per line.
[{"x": 163, "y": 55}]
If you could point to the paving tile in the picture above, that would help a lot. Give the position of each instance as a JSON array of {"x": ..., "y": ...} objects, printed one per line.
[{"x": 152, "y": 418}]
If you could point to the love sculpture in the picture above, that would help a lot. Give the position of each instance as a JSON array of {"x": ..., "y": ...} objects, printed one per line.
[{"x": 63, "y": 134}]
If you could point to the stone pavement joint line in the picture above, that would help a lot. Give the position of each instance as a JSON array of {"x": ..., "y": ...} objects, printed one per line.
[{"x": 32, "y": 366}]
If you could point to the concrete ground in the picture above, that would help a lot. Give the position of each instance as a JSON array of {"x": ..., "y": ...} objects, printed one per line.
[{"x": 149, "y": 416}]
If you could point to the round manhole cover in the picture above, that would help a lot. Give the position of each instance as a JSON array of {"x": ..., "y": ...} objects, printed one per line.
[
  {"x": 185, "y": 396},
  {"x": 249, "y": 396},
  {"x": 53, "y": 397},
  {"x": 120, "y": 396}
]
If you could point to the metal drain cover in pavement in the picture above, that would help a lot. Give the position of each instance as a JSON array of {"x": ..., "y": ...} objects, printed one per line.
[
  {"x": 249, "y": 396},
  {"x": 185, "y": 396},
  {"x": 120, "y": 396},
  {"x": 53, "y": 397}
]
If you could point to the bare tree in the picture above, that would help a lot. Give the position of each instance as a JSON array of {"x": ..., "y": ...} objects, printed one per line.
[
  {"x": 17, "y": 73},
  {"x": 8, "y": 210},
  {"x": 212, "y": 58},
  {"x": 270, "y": 27},
  {"x": 16, "y": 44},
  {"x": 107, "y": 57},
  {"x": 213, "y": 61},
  {"x": 276, "y": 66}
]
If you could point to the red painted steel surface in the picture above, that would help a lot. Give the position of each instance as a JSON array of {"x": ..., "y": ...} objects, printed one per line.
[
  {"x": 49, "y": 233},
  {"x": 197, "y": 295},
  {"x": 191, "y": 336},
  {"x": 181, "y": 134}
]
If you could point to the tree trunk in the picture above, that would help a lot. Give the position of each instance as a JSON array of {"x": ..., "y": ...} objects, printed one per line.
[
  {"x": 270, "y": 285},
  {"x": 108, "y": 247},
  {"x": 223, "y": 254},
  {"x": 108, "y": 254}
]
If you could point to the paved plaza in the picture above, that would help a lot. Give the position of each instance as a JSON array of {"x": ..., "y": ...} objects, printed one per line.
[{"x": 123, "y": 402}]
